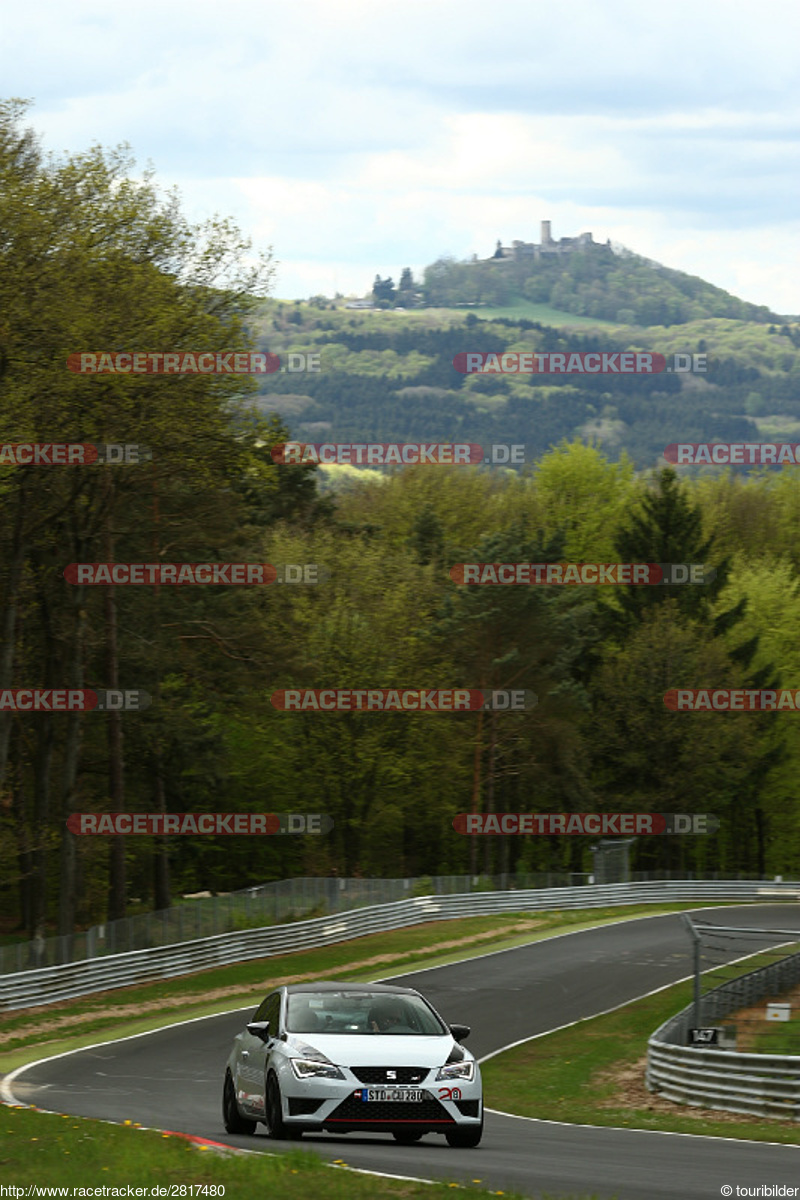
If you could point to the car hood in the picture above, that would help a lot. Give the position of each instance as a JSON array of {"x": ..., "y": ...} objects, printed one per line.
[{"x": 374, "y": 1050}]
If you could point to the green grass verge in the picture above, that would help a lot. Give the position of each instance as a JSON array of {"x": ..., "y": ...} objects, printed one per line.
[
  {"x": 781, "y": 1038},
  {"x": 49, "y": 1150},
  {"x": 580, "y": 1075},
  {"x": 36, "y": 1033}
]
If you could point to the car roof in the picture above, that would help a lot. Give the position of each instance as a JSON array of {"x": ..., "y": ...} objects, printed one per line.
[{"x": 389, "y": 989}]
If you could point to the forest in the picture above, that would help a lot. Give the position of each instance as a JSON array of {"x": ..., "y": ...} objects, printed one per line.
[
  {"x": 389, "y": 376},
  {"x": 92, "y": 260}
]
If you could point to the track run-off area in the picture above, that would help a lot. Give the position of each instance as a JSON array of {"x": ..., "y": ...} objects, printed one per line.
[{"x": 172, "y": 1078}]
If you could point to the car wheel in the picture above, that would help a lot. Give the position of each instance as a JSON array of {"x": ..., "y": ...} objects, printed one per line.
[
  {"x": 465, "y": 1139},
  {"x": 232, "y": 1119},
  {"x": 273, "y": 1112},
  {"x": 406, "y": 1136}
]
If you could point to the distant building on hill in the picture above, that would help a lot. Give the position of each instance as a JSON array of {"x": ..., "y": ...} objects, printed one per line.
[{"x": 519, "y": 251}]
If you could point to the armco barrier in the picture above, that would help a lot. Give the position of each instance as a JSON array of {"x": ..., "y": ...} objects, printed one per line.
[
  {"x": 48, "y": 984},
  {"x": 765, "y": 1085},
  {"x": 276, "y": 903}
]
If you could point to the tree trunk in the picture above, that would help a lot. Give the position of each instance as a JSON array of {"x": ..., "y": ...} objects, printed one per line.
[
  {"x": 67, "y": 890},
  {"x": 761, "y": 865},
  {"x": 161, "y": 880},
  {"x": 41, "y": 813},
  {"x": 10, "y": 625},
  {"x": 476, "y": 793},
  {"x": 163, "y": 898},
  {"x": 24, "y": 859},
  {"x": 489, "y": 857},
  {"x": 116, "y": 766}
]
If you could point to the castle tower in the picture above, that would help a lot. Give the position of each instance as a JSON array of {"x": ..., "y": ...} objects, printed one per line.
[{"x": 546, "y": 238}]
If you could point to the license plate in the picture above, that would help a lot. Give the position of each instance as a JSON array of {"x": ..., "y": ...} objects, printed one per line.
[{"x": 392, "y": 1094}]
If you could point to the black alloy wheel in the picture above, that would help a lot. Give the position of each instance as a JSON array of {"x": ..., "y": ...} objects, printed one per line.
[{"x": 233, "y": 1121}]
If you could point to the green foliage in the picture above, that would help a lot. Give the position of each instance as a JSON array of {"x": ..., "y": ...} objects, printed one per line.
[
  {"x": 92, "y": 260},
  {"x": 668, "y": 529},
  {"x": 594, "y": 281},
  {"x": 389, "y": 376},
  {"x": 585, "y": 497},
  {"x": 383, "y": 289}
]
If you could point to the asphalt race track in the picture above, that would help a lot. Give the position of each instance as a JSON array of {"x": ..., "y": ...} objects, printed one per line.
[{"x": 172, "y": 1079}]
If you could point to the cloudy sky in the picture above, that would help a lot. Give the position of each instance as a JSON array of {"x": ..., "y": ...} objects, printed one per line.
[{"x": 362, "y": 136}]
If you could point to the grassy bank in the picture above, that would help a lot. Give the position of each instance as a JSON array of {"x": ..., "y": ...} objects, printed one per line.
[
  {"x": 68, "y": 1152},
  {"x": 104, "y": 1016},
  {"x": 593, "y": 1074}
]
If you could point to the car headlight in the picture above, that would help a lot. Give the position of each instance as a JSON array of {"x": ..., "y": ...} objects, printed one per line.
[
  {"x": 310, "y": 1068},
  {"x": 459, "y": 1070}
]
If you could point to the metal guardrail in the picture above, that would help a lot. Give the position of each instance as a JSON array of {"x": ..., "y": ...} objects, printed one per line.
[
  {"x": 765, "y": 1085},
  {"x": 275, "y": 903},
  {"x": 49, "y": 984},
  {"x": 279, "y": 902}
]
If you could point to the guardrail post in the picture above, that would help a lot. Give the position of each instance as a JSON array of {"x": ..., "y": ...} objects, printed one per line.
[{"x": 696, "y": 939}]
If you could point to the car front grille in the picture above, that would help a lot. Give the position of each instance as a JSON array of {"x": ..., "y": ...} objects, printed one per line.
[
  {"x": 375, "y": 1075},
  {"x": 353, "y": 1110}
]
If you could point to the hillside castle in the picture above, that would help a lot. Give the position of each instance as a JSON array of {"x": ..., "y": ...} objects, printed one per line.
[{"x": 518, "y": 251}]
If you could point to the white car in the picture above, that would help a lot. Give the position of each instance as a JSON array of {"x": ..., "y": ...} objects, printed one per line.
[{"x": 342, "y": 1057}]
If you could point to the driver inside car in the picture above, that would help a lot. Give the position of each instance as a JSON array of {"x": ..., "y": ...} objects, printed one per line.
[{"x": 383, "y": 1018}]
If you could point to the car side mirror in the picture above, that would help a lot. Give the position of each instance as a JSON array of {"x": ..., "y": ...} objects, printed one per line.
[
  {"x": 259, "y": 1029},
  {"x": 460, "y": 1032}
]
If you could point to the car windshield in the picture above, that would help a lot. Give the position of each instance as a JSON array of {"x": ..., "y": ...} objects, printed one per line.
[{"x": 361, "y": 1012}]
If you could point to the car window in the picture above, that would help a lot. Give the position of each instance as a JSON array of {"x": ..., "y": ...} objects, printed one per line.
[
  {"x": 272, "y": 1012},
  {"x": 269, "y": 1010},
  {"x": 361, "y": 1012}
]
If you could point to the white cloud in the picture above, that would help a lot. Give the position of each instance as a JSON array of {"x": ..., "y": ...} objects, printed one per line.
[{"x": 375, "y": 136}]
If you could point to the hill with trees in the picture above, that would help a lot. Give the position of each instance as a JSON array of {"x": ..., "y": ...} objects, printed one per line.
[
  {"x": 605, "y": 282},
  {"x": 389, "y": 376}
]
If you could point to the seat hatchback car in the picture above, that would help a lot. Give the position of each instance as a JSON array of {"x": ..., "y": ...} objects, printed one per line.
[{"x": 343, "y": 1057}]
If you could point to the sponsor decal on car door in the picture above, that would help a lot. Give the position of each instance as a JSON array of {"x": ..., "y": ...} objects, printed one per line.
[{"x": 251, "y": 1074}]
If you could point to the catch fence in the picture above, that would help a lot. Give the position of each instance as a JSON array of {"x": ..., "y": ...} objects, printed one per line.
[
  {"x": 276, "y": 903},
  {"x": 725, "y": 1075},
  {"x": 65, "y": 981},
  {"x": 282, "y": 902}
]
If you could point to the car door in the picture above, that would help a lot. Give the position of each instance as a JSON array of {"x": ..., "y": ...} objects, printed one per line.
[
  {"x": 259, "y": 1050},
  {"x": 252, "y": 1059}
]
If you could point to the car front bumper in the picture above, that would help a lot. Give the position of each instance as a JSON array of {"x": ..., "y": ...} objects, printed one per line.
[{"x": 338, "y": 1104}]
